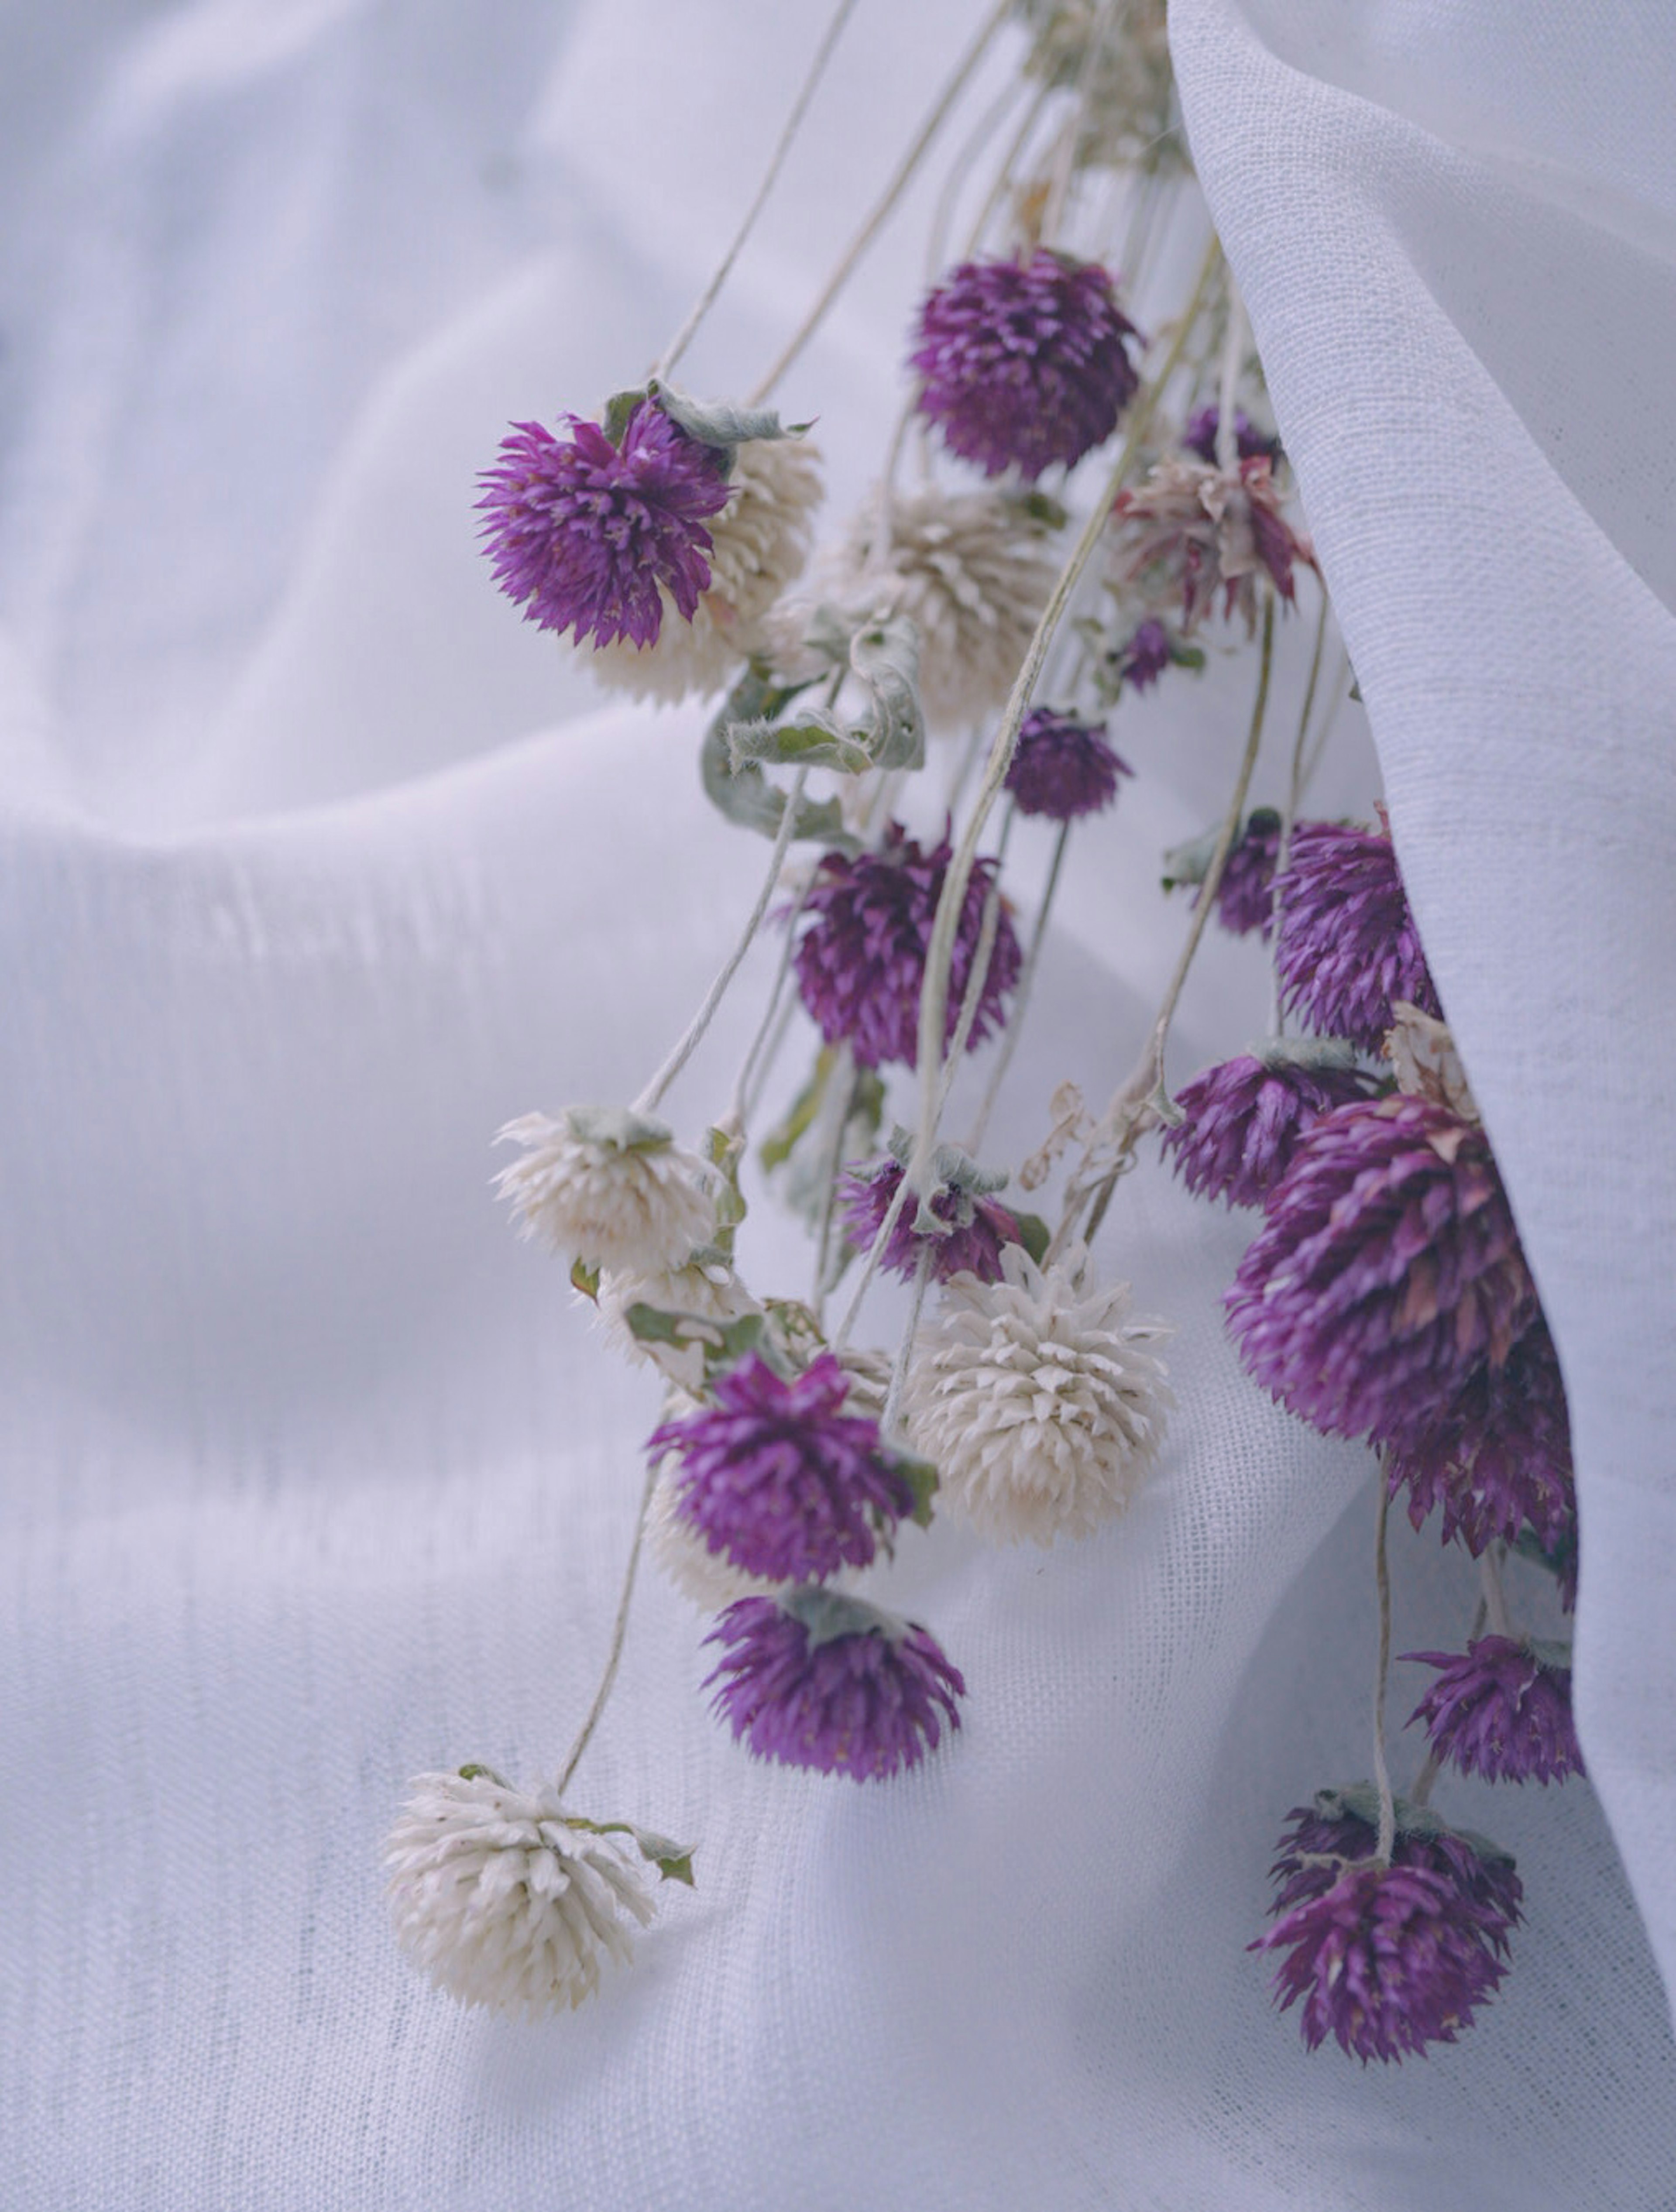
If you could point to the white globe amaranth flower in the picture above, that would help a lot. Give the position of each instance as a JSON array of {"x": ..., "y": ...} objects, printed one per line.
[
  {"x": 1040, "y": 1398},
  {"x": 709, "y": 1579},
  {"x": 968, "y": 570},
  {"x": 759, "y": 544},
  {"x": 710, "y": 1292},
  {"x": 1126, "y": 100},
  {"x": 607, "y": 1186},
  {"x": 502, "y": 1901}
]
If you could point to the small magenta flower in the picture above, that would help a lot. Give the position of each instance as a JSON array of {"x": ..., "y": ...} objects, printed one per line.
[
  {"x": 779, "y": 1478},
  {"x": 1388, "y": 1269},
  {"x": 861, "y": 957},
  {"x": 1063, "y": 768},
  {"x": 582, "y": 532},
  {"x": 1143, "y": 659},
  {"x": 816, "y": 1679},
  {"x": 1023, "y": 364},
  {"x": 1349, "y": 948},
  {"x": 1241, "y": 1122},
  {"x": 1496, "y": 1457},
  {"x": 1201, "y": 437},
  {"x": 979, "y": 1232},
  {"x": 1245, "y": 896},
  {"x": 1502, "y": 1709},
  {"x": 1193, "y": 532},
  {"x": 1387, "y": 1958}
]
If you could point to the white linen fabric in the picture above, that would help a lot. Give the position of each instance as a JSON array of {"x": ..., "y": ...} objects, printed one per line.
[{"x": 317, "y": 866}]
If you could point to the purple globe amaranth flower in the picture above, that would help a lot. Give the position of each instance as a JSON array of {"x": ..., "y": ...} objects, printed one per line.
[
  {"x": 861, "y": 958},
  {"x": 1245, "y": 896},
  {"x": 1063, "y": 768},
  {"x": 1386, "y": 1270},
  {"x": 1348, "y": 944},
  {"x": 1502, "y": 1710},
  {"x": 582, "y": 533},
  {"x": 779, "y": 1478},
  {"x": 1025, "y": 363},
  {"x": 1496, "y": 1457},
  {"x": 1387, "y": 1958},
  {"x": 1200, "y": 435},
  {"x": 1241, "y": 1122},
  {"x": 814, "y": 1678},
  {"x": 979, "y": 1227},
  {"x": 1143, "y": 659}
]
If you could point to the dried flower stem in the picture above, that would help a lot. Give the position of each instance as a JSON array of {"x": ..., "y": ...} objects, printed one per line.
[
  {"x": 712, "y": 998},
  {"x": 1003, "y": 175},
  {"x": 1021, "y": 997},
  {"x": 619, "y": 1630},
  {"x": 1419, "y": 1790},
  {"x": 1127, "y": 1117},
  {"x": 1495, "y": 1596},
  {"x": 1233, "y": 360},
  {"x": 776, "y": 1016},
  {"x": 1388, "y": 1810},
  {"x": 1065, "y": 155},
  {"x": 886, "y": 201},
  {"x": 934, "y": 995},
  {"x": 981, "y": 135},
  {"x": 706, "y": 300},
  {"x": 1289, "y": 818},
  {"x": 899, "y": 1366}
]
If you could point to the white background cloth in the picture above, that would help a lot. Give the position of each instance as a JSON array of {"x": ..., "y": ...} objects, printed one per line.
[{"x": 319, "y": 864}]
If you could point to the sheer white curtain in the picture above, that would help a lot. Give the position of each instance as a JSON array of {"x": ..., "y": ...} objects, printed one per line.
[{"x": 317, "y": 866}]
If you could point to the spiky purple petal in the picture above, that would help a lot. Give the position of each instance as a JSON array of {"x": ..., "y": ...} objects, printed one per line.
[
  {"x": 979, "y": 1231},
  {"x": 1245, "y": 896},
  {"x": 1063, "y": 768},
  {"x": 1501, "y": 1709},
  {"x": 1241, "y": 1122},
  {"x": 1348, "y": 944},
  {"x": 1250, "y": 444}
]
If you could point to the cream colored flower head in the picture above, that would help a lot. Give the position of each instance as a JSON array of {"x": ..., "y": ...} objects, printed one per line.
[
  {"x": 1124, "y": 91},
  {"x": 1041, "y": 1398},
  {"x": 759, "y": 544},
  {"x": 968, "y": 570},
  {"x": 607, "y": 1186},
  {"x": 502, "y": 1901},
  {"x": 709, "y": 1293}
]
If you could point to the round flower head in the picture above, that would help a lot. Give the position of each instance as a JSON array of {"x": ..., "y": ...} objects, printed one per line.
[
  {"x": 779, "y": 1478},
  {"x": 1497, "y": 1456},
  {"x": 1387, "y": 1268},
  {"x": 979, "y": 1228},
  {"x": 967, "y": 569},
  {"x": 1245, "y": 896},
  {"x": 501, "y": 1901},
  {"x": 867, "y": 925},
  {"x": 761, "y": 541},
  {"x": 1063, "y": 768},
  {"x": 1040, "y": 1399},
  {"x": 597, "y": 538},
  {"x": 1143, "y": 659},
  {"x": 1193, "y": 529},
  {"x": 1348, "y": 944},
  {"x": 607, "y": 1186},
  {"x": 1386, "y": 1959},
  {"x": 1201, "y": 437},
  {"x": 816, "y": 1679},
  {"x": 1023, "y": 364},
  {"x": 1502, "y": 1709},
  {"x": 706, "y": 1578},
  {"x": 1241, "y": 1122}
]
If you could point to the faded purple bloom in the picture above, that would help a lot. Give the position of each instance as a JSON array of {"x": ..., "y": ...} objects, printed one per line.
[
  {"x": 779, "y": 1478},
  {"x": 1386, "y": 1271},
  {"x": 583, "y": 534},
  {"x": 973, "y": 1247},
  {"x": 816, "y": 1679},
  {"x": 1063, "y": 768},
  {"x": 1497, "y": 1456},
  {"x": 1200, "y": 435},
  {"x": 1386, "y": 1959},
  {"x": 1242, "y": 1122},
  {"x": 861, "y": 958},
  {"x": 1245, "y": 896},
  {"x": 1501, "y": 1709},
  {"x": 1145, "y": 657},
  {"x": 1348, "y": 943},
  {"x": 1024, "y": 364},
  {"x": 1194, "y": 530}
]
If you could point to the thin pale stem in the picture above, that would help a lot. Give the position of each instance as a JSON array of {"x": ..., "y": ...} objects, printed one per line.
[
  {"x": 1021, "y": 999},
  {"x": 903, "y": 1360},
  {"x": 1233, "y": 360},
  {"x": 619, "y": 1630},
  {"x": 1387, "y": 1809},
  {"x": 1495, "y": 1596},
  {"x": 893, "y": 1214},
  {"x": 1004, "y": 176},
  {"x": 762, "y": 1053},
  {"x": 1337, "y": 695},
  {"x": 1283, "y": 851},
  {"x": 1065, "y": 157},
  {"x": 706, "y": 300},
  {"x": 887, "y": 200},
  {"x": 700, "y": 1021},
  {"x": 934, "y": 993},
  {"x": 981, "y": 135},
  {"x": 1419, "y": 1790},
  {"x": 1128, "y": 1115}
]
